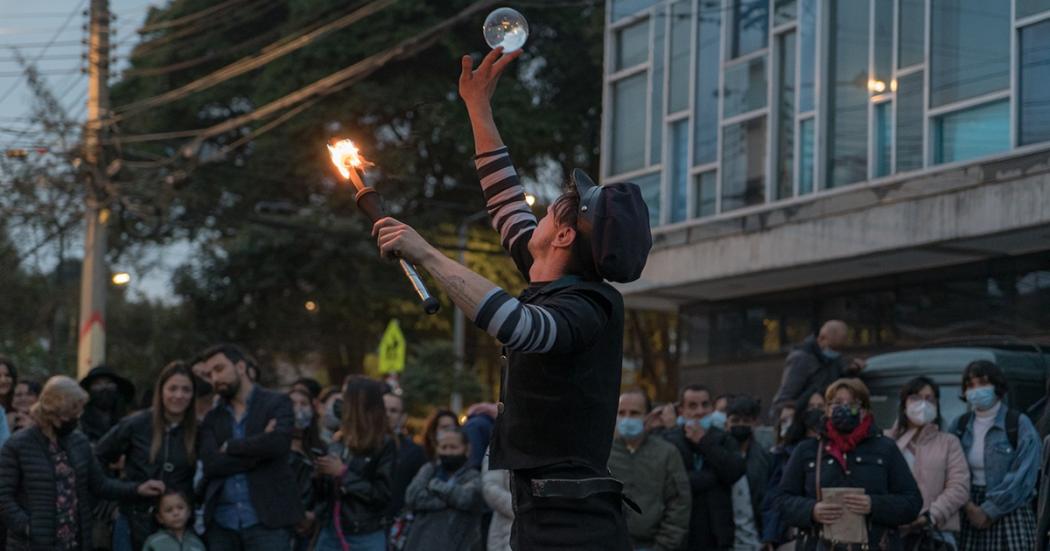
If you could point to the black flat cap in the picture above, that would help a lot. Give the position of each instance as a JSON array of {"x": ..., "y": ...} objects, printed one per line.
[{"x": 614, "y": 220}]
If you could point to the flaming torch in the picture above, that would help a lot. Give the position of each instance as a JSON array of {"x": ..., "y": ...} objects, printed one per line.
[{"x": 350, "y": 164}]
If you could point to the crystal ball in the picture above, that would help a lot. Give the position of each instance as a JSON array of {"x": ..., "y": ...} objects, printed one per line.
[{"x": 506, "y": 27}]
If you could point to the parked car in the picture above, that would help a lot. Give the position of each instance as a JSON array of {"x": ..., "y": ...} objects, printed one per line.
[{"x": 1024, "y": 363}]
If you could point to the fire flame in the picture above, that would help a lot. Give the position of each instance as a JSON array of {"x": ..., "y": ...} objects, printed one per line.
[{"x": 346, "y": 157}]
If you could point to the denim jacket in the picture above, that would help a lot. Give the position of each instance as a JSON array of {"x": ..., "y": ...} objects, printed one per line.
[{"x": 1010, "y": 474}]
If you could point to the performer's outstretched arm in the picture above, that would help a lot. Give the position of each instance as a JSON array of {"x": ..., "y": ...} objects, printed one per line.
[
  {"x": 476, "y": 87},
  {"x": 567, "y": 323}
]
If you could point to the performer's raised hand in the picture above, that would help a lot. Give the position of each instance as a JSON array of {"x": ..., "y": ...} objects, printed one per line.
[
  {"x": 397, "y": 239},
  {"x": 476, "y": 86}
]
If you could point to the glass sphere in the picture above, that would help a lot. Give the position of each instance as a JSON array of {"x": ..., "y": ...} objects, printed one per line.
[{"x": 506, "y": 27}]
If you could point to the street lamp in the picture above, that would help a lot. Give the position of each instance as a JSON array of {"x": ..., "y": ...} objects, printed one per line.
[
  {"x": 310, "y": 306},
  {"x": 530, "y": 199},
  {"x": 121, "y": 279}
]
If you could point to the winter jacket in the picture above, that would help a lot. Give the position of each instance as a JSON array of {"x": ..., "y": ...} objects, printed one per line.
[
  {"x": 940, "y": 470},
  {"x": 1010, "y": 474},
  {"x": 27, "y": 488},
  {"x": 759, "y": 465},
  {"x": 166, "y": 541},
  {"x": 362, "y": 494},
  {"x": 409, "y": 459},
  {"x": 495, "y": 488},
  {"x": 713, "y": 465},
  {"x": 654, "y": 477},
  {"x": 447, "y": 512},
  {"x": 773, "y": 528},
  {"x": 807, "y": 370},
  {"x": 1042, "y": 532},
  {"x": 876, "y": 465},
  {"x": 132, "y": 438}
]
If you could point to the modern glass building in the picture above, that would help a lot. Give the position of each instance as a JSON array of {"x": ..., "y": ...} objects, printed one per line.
[{"x": 792, "y": 151}]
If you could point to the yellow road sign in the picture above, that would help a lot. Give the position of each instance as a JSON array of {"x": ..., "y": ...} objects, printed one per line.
[{"x": 392, "y": 349}]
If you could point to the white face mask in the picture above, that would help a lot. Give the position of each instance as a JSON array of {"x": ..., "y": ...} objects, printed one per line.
[{"x": 921, "y": 412}]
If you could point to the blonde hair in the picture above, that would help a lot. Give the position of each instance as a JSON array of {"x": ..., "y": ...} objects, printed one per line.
[
  {"x": 60, "y": 396},
  {"x": 855, "y": 386}
]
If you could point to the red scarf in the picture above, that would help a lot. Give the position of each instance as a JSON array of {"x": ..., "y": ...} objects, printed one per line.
[{"x": 839, "y": 445}]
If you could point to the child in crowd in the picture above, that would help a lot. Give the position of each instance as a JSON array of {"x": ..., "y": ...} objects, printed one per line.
[{"x": 173, "y": 514}]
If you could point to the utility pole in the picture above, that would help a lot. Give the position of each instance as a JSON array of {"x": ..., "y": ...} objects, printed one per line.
[{"x": 91, "y": 347}]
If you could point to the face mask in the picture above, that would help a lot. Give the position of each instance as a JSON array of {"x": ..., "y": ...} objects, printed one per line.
[
  {"x": 785, "y": 428},
  {"x": 66, "y": 427},
  {"x": 921, "y": 412},
  {"x": 680, "y": 421},
  {"x": 630, "y": 427},
  {"x": 845, "y": 419},
  {"x": 982, "y": 398},
  {"x": 830, "y": 354},
  {"x": 742, "y": 433},
  {"x": 813, "y": 419},
  {"x": 452, "y": 463},
  {"x": 104, "y": 399},
  {"x": 332, "y": 419},
  {"x": 303, "y": 417},
  {"x": 715, "y": 419}
]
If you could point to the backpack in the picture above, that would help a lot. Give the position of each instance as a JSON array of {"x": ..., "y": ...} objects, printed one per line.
[{"x": 1013, "y": 418}]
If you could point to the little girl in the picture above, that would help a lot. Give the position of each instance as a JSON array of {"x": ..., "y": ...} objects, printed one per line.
[{"x": 173, "y": 513}]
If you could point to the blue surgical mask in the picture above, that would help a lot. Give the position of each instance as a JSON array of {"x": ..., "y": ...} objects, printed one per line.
[
  {"x": 680, "y": 421},
  {"x": 982, "y": 398},
  {"x": 830, "y": 354},
  {"x": 715, "y": 419},
  {"x": 629, "y": 427}
]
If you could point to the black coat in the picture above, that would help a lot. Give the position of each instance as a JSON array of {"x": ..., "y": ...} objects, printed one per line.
[
  {"x": 362, "y": 493},
  {"x": 262, "y": 455},
  {"x": 132, "y": 437},
  {"x": 759, "y": 463},
  {"x": 711, "y": 523},
  {"x": 410, "y": 458},
  {"x": 875, "y": 465},
  {"x": 27, "y": 488}
]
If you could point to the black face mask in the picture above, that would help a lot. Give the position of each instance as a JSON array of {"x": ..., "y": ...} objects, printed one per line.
[
  {"x": 813, "y": 419},
  {"x": 453, "y": 463},
  {"x": 845, "y": 419},
  {"x": 105, "y": 399},
  {"x": 66, "y": 427},
  {"x": 741, "y": 432}
]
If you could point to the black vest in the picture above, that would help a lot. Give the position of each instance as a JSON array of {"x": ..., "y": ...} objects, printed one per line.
[{"x": 561, "y": 408}]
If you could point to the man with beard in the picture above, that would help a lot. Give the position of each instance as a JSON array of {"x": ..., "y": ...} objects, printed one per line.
[{"x": 251, "y": 500}]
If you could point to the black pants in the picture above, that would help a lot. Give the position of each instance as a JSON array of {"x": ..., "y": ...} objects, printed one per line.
[{"x": 593, "y": 523}]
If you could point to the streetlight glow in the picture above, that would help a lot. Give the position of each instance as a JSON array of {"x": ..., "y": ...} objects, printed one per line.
[
  {"x": 121, "y": 278},
  {"x": 310, "y": 306},
  {"x": 530, "y": 199}
]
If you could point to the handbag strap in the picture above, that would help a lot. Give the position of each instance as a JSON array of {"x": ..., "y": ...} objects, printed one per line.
[{"x": 817, "y": 468}]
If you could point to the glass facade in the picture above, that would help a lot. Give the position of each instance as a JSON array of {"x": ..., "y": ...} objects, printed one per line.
[{"x": 721, "y": 105}]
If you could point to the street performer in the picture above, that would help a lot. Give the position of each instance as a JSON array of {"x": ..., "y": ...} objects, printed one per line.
[{"x": 562, "y": 337}]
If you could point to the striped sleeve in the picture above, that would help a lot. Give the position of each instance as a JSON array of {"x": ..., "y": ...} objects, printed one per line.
[
  {"x": 505, "y": 198},
  {"x": 570, "y": 322}
]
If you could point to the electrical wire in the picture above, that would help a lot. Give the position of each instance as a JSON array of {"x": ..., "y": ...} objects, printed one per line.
[{"x": 54, "y": 38}]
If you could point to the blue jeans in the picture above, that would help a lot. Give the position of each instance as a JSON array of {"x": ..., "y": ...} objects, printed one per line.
[
  {"x": 255, "y": 538},
  {"x": 328, "y": 540}
]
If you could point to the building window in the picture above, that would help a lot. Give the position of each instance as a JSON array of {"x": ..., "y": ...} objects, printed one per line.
[
  {"x": 883, "y": 42},
  {"x": 911, "y": 42},
  {"x": 847, "y": 143},
  {"x": 805, "y": 156},
  {"x": 708, "y": 65},
  {"x": 746, "y": 87},
  {"x": 784, "y": 11},
  {"x": 807, "y": 32},
  {"x": 750, "y": 27},
  {"x": 678, "y": 66},
  {"x": 1034, "y": 86},
  {"x": 650, "y": 188},
  {"x": 910, "y": 122},
  {"x": 624, "y": 8},
  {"x": 1026, "y": 8},
  {"x": 705, "y": 194},
  {"x": 656, "y": 83},
  {"x": 679, "y": 207},
  {"x": 628, "y": 142},
  {"x": 883, "y": 138},
  {"x": 970, "y": 43},
  {"x": 785, "y": 184},
  {"x": 632, "y": 45},
  {"x": 972, "y": 133},
  {"x": 744, "y": 164}
]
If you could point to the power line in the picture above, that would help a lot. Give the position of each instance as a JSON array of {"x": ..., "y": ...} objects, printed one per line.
[
  {"x": 220, "y": 23},
  {"x": 54, "y": 38},
  {"x": 252, "y": 62},
  {"x": 166, "y": 24}
]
